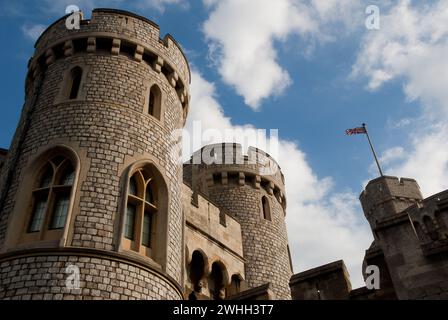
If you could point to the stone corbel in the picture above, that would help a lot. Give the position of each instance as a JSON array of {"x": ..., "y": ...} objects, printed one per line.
[
  {"x": 225, "y": 178},
  {"x": 68, "y": 48},
  {"x": 91, "y": 44},
  {"x": 116, "y": 43},
  {"x": 158, "y": 64},
  {"x": 271, "y": 187},
  {"x": 49, "y": 57},
  {"x": 139, "y": 53},
  {"x": 173, "y": 78},
  {"x": 241, "y": 179},
  {"x": 257, "y": 181},
  {"x": 209, "y": 180}
]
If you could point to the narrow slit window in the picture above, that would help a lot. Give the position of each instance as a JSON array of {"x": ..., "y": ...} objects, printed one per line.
[
  {"x": 266, "y": 208},
  {"x": 154, "y": 101},
  {"x": 76, "y": 76}
]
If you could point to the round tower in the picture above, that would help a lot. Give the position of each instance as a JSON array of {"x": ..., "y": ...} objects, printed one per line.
[
  {"x": 251, "y": 189},
  {"x": 90, "y": 204},
  {"x": 386, "y": 196}
]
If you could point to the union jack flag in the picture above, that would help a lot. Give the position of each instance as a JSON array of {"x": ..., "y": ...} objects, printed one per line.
[{"x": 359, "y": 130}]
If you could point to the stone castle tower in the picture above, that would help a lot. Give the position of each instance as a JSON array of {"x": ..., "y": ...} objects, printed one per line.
[
  {"x": 251, "y": 190},
  {"x": 91, "y": 183},
  {"x": 89, "y": 178},
  {"x": 94, "y": 203},
  {"x": 409, "y": 249},
  {"x": 411, "y": 238}
]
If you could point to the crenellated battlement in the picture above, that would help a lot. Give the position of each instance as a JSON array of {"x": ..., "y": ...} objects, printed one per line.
[
  {"x": 116, "y": 32},
  {"x": 388, "y": 195},
  {"x": 225, "y": 163},
  {"x": 128, "y": 25}
]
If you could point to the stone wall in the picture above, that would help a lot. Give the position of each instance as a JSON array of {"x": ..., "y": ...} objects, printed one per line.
[
  {"x": 107, "y": 127},
  {"x": 44, "y": 277},
  {"x": 413, "y": 238},
  {"x": 327, "y": 282},
  {"x": 3, "y": 154},
  {"x": 237, "y": 189}
]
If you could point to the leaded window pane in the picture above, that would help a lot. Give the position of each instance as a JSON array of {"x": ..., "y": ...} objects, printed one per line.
[
  {"x": 38, "y": 215},
  {"x": 149, "y": 197},
  {"x": 60, "y": 212},
  {"x": 47, "y": 178},
  {"x": 147, "y": 221},
  {"x": 130, "y": 222},
  {"x": 68, "y": 177},
  {"x": 133, "y": 187}
]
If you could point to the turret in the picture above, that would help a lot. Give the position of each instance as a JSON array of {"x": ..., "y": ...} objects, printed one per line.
[
  {"x": 251, "y": 189},
  {"x": 91, "y": 181},
  {"x": 386, "y": 196}
]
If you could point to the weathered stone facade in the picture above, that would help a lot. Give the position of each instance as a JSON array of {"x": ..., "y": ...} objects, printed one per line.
[
  {"x": 105, "y": 129},
  {"x": 103, "y": 107},
  {"x": 412, "y": 234},
  {"x": 90, "y": 101},
  {"x": 238, "y": 189},
  {"x": 410, "y": 247}
]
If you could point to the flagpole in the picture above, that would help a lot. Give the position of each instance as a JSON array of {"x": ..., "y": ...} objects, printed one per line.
[{"x": 373, "y": 150}]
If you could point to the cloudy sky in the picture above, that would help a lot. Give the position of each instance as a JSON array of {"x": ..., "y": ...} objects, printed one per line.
[{"x": 309, "y": 68}]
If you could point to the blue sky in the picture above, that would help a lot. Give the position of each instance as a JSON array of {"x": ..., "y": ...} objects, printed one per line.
[{"x": 310, "y": 69}]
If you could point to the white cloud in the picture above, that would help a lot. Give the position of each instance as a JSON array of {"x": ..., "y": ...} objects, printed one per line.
[
  {"x": 412, "y": 47},
  {"x": 426, "y": 161},
  {"x": 244, "y": 33},
  {"x": 87, "y": 5},
  {"x": 323, "y": 225},
  {"x": 244, "y": 37},
  {"x": 161, "y": 4},
  {"x": 33, "y": 32}
]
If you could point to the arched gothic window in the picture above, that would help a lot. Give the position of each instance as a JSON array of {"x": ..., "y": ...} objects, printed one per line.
[
  {"x": 51, "y": 195},
  {"x": 197, "y": 272},
  {"x": 216, "y": 282},
  {"x": 145, "y": 213},
  {"x": 155, "y": 101},
  {"x": 235, "y": 285}
]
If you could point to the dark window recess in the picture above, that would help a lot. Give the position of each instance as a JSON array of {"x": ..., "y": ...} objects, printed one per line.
[
  {"x": 149, "y": 58},
  {"x": 103, "y": 44},
  {"x": 59, "y": 51},
  {"x": 266, "y": 208},
  {"x": 233, "y": 178},
  {"x": 249, "y": 180},
  {"x": 151, "y": 103},
  {"x": 128, "y": 49},
  {"x": 80, "y": 45},
  {"x": 76, "y": 75},
  {"x": 217, "y": 178}
]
